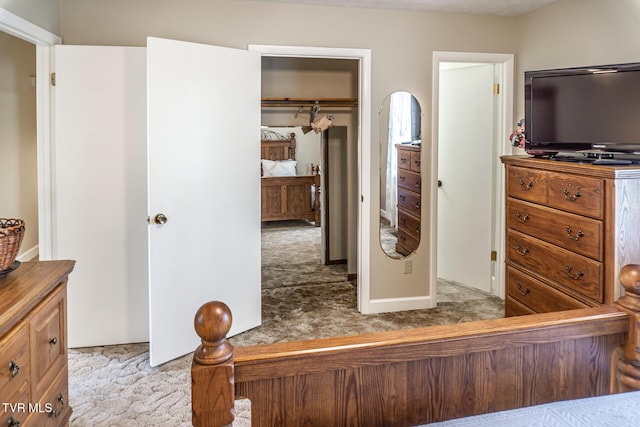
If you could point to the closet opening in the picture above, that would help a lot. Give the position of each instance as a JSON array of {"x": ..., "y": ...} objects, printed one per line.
[{"x": 316, "y": 101}]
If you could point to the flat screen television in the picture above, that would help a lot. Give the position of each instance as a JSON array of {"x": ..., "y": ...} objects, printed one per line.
[{"x": 590, "y": 110}]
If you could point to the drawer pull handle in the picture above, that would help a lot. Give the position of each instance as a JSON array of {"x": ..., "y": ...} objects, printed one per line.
[
  {"x": 14, "y": 368},
  {"x": 522, "y": 292},
  {"x": 402, "y": 178},
  {"x": 417, "y": 206},
  {"x": 576, "y": 276},
  {"x": 418, "y": 230},
  {"x": 577, "y": 236},
  {"x": 53, "y": 341},
  {"x": 522, "y": 252},
  {"x": 56, "y": 413},
  {"x": 13, "y": 422},
  {"x": 526, "y": 187},
  {"x": 571, "y": 198},
  {"x": 523, "y": 219}
]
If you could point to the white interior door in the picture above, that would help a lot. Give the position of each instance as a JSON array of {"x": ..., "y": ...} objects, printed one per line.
[
  {"x": 204, "y": 176},
  {"x": 100, "y": 192},
  {"x": 465, "y": 168}
]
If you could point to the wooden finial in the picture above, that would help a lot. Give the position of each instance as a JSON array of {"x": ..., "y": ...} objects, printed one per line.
[
  {"x": 212, "y": 323},
  {"x": 630, "y": 280}
]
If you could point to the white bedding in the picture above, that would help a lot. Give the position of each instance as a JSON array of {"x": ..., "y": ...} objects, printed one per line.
[{"x": 617, "y": 410}]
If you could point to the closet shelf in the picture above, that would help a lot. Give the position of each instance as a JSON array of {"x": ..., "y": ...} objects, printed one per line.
[{"x": 309, "y": 102}]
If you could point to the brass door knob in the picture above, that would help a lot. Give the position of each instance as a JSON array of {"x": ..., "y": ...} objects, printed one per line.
[{"x": 160, "y": 219}]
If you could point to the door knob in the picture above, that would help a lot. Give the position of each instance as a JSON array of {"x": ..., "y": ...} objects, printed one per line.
[
  {"x": 439, "y": 183},
  {"x": 160, "y": 219}
]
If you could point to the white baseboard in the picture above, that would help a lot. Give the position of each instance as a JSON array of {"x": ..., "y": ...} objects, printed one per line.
[
  {"x": 386, "y": 305},
  {"x": 29, "y": 254}
]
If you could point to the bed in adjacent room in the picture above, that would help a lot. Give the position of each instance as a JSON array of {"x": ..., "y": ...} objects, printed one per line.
[{"x": 285, "y": 194}]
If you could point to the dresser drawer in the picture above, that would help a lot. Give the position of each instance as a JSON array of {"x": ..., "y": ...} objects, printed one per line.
[
  {"x": 527, "y": 184},
  {"x": 48, "y": 341},
  {"x": 574, "y": 271},
  {"x": 572, "y": 232},
  {"x": 410, "y": 201},
  {"x": 14, "y": 361},
  {"x": 15, "y": 407},
  {"x": 404, "y": 159},
  {"x": 409, "y": 180},
  {"x": 407, "y": 240},
  {"x": 578, "y": 194},
  {"x": 53, "y": 406},
  {"x": 409, "y": 223},
  {"x": 415, "y": 161},
  {"x": 536, "y": 295},
  {"x": 514, "y": 308}
]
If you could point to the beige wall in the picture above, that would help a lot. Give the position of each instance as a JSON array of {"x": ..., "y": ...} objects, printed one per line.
[
  {"x": 573, "y": 33},
  {"x": 18, "y": 173},
  {"x": 43, "y": 13},
  {"x": 401, "y": 43}
]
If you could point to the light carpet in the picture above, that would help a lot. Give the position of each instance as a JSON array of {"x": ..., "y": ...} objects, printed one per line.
[{"x": 115, "y": 386}]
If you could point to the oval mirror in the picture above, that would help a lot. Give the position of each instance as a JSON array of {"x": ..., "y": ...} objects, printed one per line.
[{"x": 400, "y": 182}]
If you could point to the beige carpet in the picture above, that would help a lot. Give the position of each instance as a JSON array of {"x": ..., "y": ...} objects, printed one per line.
[{"x": 115, "y": 386}]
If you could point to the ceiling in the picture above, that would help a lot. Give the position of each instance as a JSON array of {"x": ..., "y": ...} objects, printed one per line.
[{"x": 483, "y": 7}]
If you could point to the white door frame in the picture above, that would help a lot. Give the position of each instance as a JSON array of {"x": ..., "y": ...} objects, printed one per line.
[
  {"x": 364, "y": 145},
  {"x": 504, "y": 128},
  {"x": 44, "y": 41}
]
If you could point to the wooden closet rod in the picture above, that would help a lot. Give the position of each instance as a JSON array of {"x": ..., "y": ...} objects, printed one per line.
[{"x": 309, "y": 102}]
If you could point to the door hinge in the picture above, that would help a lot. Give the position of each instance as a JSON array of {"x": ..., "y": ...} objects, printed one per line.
[
  {"x": 496, "y": 88},
  {"x": 53, "y": 79},
  {"x": 494, "y": 255}
]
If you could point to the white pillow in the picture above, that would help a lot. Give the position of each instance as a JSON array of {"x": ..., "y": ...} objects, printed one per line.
[{"x": 278, "y": 167}]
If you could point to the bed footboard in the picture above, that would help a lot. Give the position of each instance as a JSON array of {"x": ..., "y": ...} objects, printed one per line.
[{"x": 417, "y": 376}]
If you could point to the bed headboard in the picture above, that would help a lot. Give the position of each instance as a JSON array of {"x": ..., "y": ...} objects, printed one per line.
[{"x": 281, "y": 149}]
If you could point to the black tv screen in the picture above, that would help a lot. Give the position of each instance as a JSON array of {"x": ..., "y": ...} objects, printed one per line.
[{"x": 587, "y": 108}]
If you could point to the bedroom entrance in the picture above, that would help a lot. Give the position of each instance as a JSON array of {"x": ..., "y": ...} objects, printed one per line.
[
  {"x": 316, "y": 100},
  {"x": 472, "y": 117}
]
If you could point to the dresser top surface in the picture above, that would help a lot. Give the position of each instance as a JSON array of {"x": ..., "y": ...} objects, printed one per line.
[
  {"x": 22, "y": 289},
  {"x": 600, "y": 171}
]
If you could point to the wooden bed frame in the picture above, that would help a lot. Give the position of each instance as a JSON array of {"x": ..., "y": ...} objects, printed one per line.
[
  {"x": 288, "y": 197},
  {"x": 417, "y": 376}
]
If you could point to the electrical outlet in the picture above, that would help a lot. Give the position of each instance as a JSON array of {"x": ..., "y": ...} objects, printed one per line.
[{"x": 408, "y": 266}]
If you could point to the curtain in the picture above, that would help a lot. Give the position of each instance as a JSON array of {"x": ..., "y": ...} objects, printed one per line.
[{"x": 399, "y": 131}]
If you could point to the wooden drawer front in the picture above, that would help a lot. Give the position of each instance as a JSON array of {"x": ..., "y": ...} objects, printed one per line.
[
  {"x": 574, "y": 271},
  {"x": 409, "y": 180},
  {"x": 14, "y": 361},
  {"x": 410, "y": 242},
  {"x": 54, "y": 404},
  {"x": 527, "y": 184},
  {"x": 409, "y": 223},
  {"x": 578, "y": 194},
  {"x": 16, "y": 407},
  {"x": 410, "y": 201},
  {"x": 404, "y": 159},
  {"x": 514, "y": 308},
  {"x": 47, "y": 341},
  {"x": 415, "y": 161},
  {"x": 573, "y": 232},
  {"x": 536, "y": 295}
]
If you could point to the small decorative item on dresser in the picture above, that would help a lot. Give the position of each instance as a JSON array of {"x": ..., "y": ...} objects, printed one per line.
[{"x": 11, "y": 234}]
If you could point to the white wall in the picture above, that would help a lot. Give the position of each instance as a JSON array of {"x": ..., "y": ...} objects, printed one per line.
[
  {"x": 43, "y": 13},
  {"x": 18, "y": 173}
]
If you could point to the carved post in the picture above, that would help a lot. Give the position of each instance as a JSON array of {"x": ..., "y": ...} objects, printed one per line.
[
  {"x": 627, "y": 358},
  {"x": 212, "y": 393}
]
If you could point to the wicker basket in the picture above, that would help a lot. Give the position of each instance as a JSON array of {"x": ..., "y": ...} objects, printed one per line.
[{"x": 11, "y": 234}]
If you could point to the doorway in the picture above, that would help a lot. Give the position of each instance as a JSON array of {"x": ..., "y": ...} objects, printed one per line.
[
  {"x": 43, "y": 40},
  {"x": 359, "y": 187},
  {"x": 466, "y": 167}
]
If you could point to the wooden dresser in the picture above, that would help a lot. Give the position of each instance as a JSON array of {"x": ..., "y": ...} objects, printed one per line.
[
  {"x": 33, "y": 345},
  {"x": 409, "y": 198},
  {"x": 570, "y": 228}
]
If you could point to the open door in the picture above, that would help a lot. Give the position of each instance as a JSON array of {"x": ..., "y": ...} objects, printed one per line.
[{"x": 204, "y": 191}]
